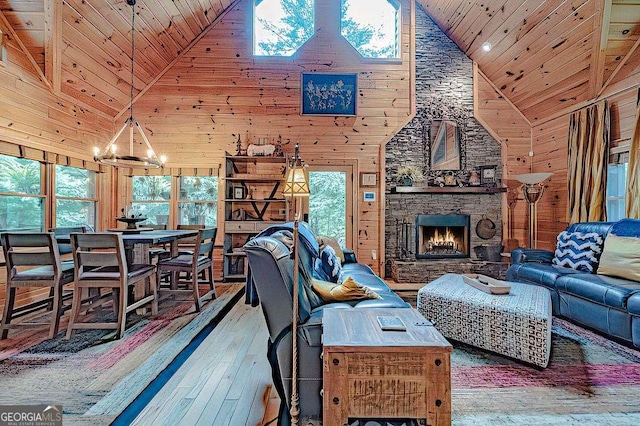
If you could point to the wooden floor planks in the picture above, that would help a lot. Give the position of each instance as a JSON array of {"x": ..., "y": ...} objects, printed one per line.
[{"x": 226, "y": 381}]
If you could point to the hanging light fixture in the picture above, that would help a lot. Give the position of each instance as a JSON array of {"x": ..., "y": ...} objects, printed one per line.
[{"x": 109, "y": 154}]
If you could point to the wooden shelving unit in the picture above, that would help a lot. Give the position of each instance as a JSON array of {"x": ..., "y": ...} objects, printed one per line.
[{"x": 252, "y": 202}]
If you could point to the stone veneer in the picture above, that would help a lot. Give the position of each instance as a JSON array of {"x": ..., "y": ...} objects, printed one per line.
[{"x": 444, "y": 89}]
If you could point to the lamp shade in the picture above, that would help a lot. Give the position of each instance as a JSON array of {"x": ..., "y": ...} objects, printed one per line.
[
  {"x": 532, "y": 178},
  {"x": 296, "y": 184}
]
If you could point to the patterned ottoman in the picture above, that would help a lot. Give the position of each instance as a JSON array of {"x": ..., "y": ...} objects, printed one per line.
[{"x": 517, "y": 325}]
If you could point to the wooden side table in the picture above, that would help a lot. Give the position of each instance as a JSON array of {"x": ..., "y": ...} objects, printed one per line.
[{"x": 371, "y": 373}]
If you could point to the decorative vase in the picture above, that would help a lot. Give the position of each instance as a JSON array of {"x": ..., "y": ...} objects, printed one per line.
[{"x": 407, "y": 181}]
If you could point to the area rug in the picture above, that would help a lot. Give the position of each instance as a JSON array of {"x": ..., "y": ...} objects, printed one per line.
[
  {"x": 93, "y": 369},
  {"x": 590, "y": 380}
]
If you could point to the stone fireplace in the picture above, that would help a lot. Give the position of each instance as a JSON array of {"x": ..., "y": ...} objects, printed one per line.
[
  {"x": 443, "y": 91},
  {"x": 442, "y": 236}
]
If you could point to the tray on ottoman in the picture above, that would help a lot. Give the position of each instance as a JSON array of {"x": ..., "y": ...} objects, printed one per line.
[{"x": 517, "y": 324}]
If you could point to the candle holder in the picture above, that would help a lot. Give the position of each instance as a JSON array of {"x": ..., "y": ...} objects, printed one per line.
[{"x": 132, "y": 222}]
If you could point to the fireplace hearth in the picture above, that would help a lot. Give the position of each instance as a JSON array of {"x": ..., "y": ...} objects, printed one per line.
[{"x": 442, "y": 236}]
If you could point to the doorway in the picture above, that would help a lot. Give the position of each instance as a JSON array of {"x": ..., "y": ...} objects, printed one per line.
[{"x": 330, "y": 203}]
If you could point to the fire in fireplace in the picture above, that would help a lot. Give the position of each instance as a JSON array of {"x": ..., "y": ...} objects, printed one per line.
[{"x": 441, "y": 236}]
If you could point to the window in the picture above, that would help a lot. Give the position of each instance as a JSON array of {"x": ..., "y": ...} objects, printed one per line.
[
  {"x": 3, "y": 50},
  {"x": 151, "y": 198},
  {"x": 75, "y": 197},
  {"x": 280, "y": 27},
  {"x": 197, "y": 203},
  {"x": 21, "y": 198},
  {"x": 371, "y": 27},
  {"x": 616, "y": 188}
]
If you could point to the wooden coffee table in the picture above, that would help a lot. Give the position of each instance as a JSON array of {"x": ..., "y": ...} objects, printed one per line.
[{"x": 369, "y": 373}]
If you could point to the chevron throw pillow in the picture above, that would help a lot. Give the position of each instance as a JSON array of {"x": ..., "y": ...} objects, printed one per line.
[{"x": 578, "y": 251}]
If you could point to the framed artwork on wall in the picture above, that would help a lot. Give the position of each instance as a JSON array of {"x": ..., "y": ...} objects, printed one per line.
[
  {"x": 368, "y": 179},
  {"x": 328, "y": 94}
]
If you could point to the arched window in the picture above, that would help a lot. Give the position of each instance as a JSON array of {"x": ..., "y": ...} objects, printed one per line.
[
  {"x": 280, "y": 27},
  {"x": 372, "y": 27}
]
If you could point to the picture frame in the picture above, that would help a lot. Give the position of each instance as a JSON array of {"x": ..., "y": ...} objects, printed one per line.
[
  {"x": 369, "y": 196},
  {"x": 238, "y": 192},
  {"x": 368, "y": 179},
  {"x": 328, "y": 94},
  {"x": 488, "y": 175}
]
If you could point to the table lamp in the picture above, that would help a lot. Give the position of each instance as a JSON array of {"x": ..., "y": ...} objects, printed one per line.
[
  {"x": 296, "y": 186},
  {"x": 533, "y": 189}
]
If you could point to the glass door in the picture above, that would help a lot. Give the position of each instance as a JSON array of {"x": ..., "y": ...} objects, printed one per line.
[{"x": 330, "y": 203}]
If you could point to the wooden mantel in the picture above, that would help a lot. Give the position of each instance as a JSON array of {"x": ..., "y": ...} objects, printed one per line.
[{"x": 447, "y": 190}]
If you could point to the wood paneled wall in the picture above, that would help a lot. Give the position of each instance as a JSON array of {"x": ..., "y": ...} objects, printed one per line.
[
  {"x": 31, "y": 115},
  {"x": 550, "y": 140},
  {"x": 219, "y": 92},
  {"x": 508, "y": 126}
]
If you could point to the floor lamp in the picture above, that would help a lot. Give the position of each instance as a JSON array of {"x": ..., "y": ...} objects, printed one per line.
[
  {"x": 296, "y": 186},
  {"x": 533, "y": 189}
]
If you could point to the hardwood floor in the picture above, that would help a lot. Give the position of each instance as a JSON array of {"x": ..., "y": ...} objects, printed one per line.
[{"x": 226, "y": 381}]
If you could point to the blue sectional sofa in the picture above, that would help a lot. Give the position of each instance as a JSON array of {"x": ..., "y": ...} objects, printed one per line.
[
  {"x": 270, "y": 281},
  {"x": 605, "y": 303}
]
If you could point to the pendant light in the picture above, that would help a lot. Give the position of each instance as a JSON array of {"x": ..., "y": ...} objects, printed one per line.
[{"x": 109, "y": 154}]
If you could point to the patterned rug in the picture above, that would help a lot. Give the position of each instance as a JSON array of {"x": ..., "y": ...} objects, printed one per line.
[
  {"x": 91, "y": 369},
  {"x": 590, "y": 381}
]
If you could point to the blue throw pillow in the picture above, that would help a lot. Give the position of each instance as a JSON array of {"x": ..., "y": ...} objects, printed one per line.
[
  {"x": 578, "y": 251},
  {"x": 330, "y": 263}
]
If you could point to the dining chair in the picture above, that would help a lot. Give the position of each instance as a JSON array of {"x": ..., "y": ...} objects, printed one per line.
[
  {"x": 65, "y": 248},
  {"x": 186, "y": 245},
  {"x": 201, "y": 260},
  {"x": 33, "y": 260},
  {"x": 159, "y": 251},
  {"x": 100, "y": 262}
]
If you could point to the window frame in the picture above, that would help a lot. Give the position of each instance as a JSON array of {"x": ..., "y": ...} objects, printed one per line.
[
  {"x": 41, "y": 195},
  {"x": 181, "y": 201},
  {"x": 55, "y": 197},
  {"x": 289, "y": 57},
  {"x": 398, "y": 35},
  {"x": 175, "y": 200},
  {"x": 133, "y": 202},
  {"x": 616, "y": 198}
]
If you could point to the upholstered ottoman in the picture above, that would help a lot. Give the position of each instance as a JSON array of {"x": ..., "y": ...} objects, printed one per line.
[{"x": 517, "y": 325}]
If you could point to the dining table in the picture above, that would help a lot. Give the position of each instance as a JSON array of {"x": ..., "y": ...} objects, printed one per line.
[{"x": 137, "y": 244}]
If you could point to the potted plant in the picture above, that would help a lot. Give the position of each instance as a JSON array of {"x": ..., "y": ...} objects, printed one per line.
[{"x": 408, "y": 174}]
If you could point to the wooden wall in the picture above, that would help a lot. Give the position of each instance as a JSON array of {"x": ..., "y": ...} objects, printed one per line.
[
  {"x": 32, "y": 115},
  {"x": 218, "y": 92},
  {"x": 508, "y": 126},
  {"x": 550, "y": 140}
]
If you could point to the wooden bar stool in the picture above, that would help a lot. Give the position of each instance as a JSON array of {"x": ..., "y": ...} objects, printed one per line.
[
  {"x": 201, "y": 260},
  {"x": 33, "y": 260},
  {"x": 100, "y": 262}
]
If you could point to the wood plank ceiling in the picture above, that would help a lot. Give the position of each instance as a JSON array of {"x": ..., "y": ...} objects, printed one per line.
[
  {"x": 547, "y": 56},
  {"x": 83, "y": 47}
]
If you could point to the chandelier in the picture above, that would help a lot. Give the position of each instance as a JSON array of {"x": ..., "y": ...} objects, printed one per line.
[{"x": 109, "y": 154}]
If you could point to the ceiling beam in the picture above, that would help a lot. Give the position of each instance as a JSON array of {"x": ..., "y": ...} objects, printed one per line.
[
  {"x": 53, "y": 43},
  {"x": 177, "y": 58},
  {"x": 24, "y": 49},
  {"x": 619, "y": 67},
  {"x": 602, "y": 17}
]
